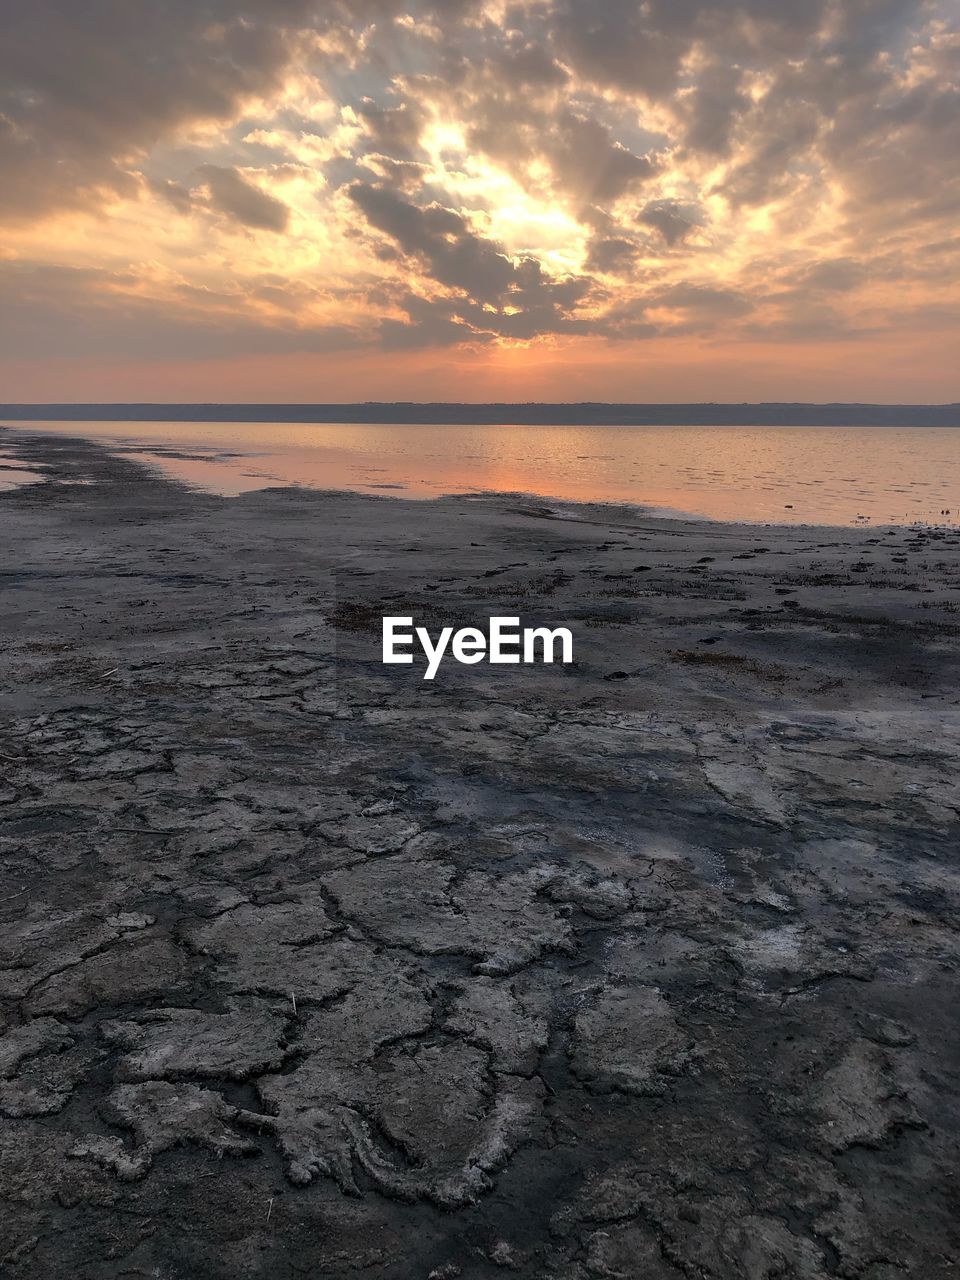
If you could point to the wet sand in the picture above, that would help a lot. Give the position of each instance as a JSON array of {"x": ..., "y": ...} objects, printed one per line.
[{"x": 645, "y": 967}]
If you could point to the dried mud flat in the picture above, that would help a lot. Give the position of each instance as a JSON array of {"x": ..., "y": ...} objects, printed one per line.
[{"x": 645, "y": 968}]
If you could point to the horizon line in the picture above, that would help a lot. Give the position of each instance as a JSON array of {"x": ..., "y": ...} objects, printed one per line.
[
  {"x": 12, "y": 406},
  {"x": 583, "y": 413}
]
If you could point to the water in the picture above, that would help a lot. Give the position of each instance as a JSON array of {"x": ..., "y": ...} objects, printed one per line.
[
  {"x": 795, "y": 475},
  {"x": 14, "y": 472}
]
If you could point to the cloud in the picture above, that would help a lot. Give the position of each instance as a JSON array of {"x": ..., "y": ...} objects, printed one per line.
[
  {"x": 174, "y": 193},
  {"x": 642, "y": 49},
  {"x": 618, "y": 46},
  {"x": 440, "y": 238},
  {"x": 703, "y": 300},
  {"x": 590, "y": 164},
  {"x": 85, "y": 313},
  {"x": 833, "y": 275},
  {"x": 234, "y": 196},
  {"x": 782, "y": 141},
  {"x": 501, "y": 296},
  {"x": 667, "y": 217},
  {"x": 429, "y": 323},
  {"x": 451, "y": 172},
  {"x": 87, "y": 88},
  {"x": 612, "y": 254},
  {"x": 710, "y": 110},
  {"x": 393, "y": 131}
]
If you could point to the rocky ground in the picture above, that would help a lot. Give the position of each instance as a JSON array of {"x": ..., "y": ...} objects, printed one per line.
[{"x": 645, "y": 967}]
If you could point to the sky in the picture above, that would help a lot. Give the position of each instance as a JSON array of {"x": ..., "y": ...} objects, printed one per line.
[{"x": 662, "y": 200}]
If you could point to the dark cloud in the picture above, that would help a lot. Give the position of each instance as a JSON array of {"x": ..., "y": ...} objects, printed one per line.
[
  {"x": 615, "y": 44},
  {"x": 232, "y": 195},
  {"x": 611, "y": 255},
  {"x": 669, "y": 218},
  {"x": 393, "y": 131},
  {"x": 402, "y": 175},
  {"x": 175, "y": 194},
  {"x": 640, "y": 49},
  {"x": 518, "y": 61},
  {"x": 592, "y": 166},
  {"x": 709, "y": 113},
  {"x": 440, "y": 238},
  {"x": 430, "y": 323},
  {"x": 500, "y": 296}
]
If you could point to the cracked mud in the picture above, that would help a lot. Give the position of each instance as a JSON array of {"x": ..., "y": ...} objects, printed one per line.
[{"x": 644, "y": 968}]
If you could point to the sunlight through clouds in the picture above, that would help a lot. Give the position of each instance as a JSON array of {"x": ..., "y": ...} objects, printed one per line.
[{"x": 465, "y": 177}]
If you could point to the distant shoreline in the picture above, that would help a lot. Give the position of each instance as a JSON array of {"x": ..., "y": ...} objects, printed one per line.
[{"x": 769, "y": 414}]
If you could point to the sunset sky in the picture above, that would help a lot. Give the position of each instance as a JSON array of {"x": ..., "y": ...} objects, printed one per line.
[{"x": 557, "y": 199}]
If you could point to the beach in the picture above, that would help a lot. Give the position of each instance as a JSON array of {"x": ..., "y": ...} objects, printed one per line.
[{"x": 643, "y": 966}]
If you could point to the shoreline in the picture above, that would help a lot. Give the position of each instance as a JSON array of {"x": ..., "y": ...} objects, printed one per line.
[{"x": 557, "y": 968}]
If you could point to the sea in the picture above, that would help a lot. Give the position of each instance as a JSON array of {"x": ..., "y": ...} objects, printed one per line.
[{"x": 765, "y": 475}]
